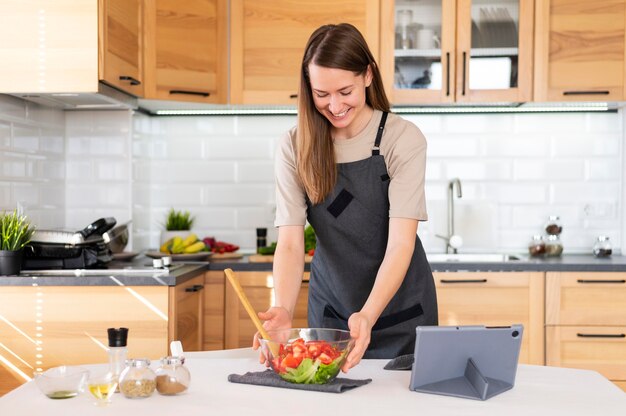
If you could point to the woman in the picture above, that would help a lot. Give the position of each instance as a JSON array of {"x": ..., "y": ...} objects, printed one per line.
[{"x": 356, "y": 173}]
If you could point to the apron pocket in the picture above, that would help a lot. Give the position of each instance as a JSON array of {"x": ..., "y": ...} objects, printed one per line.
[
  {"x": 332, "y": 319},
  {"x": 352, "y": 219},
  {"x": 398, "y": 317}
]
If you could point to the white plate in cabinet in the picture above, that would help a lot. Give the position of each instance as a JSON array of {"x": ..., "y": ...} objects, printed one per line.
[{"x": 574, "y": 298}]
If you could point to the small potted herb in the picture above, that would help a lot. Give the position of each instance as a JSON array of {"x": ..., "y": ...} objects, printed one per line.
[
  {"x": 177, "y": 223},
  {"x": 15, "y": 232}
]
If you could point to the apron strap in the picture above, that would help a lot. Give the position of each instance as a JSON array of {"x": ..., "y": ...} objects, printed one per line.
[{"x": 379, "y": 134}]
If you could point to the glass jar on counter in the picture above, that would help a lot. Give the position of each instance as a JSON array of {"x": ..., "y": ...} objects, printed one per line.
[
  {"x": 137, "y": 380},
  {"x": 537, "y": 246},
  {"x": 554, "y": 247},
  {"x": 172, "y": 377},
  {"x": 553, "y": 226},
  {"x": 602, "y": 247}
]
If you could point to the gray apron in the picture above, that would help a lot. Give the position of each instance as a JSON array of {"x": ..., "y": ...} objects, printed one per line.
[{"x": 352, "y": 226}]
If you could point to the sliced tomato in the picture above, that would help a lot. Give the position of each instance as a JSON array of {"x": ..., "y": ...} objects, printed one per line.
[
  {"x": 325, "y": 358},
  {"x": 291, "y": 361}
]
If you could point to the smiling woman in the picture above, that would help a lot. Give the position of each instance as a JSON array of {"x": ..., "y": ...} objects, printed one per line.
[{"x": 356, "y": 173}]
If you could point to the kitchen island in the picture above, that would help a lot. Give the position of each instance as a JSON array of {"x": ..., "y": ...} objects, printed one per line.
[{"x": 538, "y": 391}]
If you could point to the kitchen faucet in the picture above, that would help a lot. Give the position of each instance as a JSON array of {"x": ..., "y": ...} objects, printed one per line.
[{"x": 453, "y": 241}]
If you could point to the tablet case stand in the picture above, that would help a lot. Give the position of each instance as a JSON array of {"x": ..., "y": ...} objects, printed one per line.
[{"x": 473, "y": 383}]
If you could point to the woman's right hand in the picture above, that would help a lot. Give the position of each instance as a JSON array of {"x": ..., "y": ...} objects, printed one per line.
[{"x": 275, "y": 317}]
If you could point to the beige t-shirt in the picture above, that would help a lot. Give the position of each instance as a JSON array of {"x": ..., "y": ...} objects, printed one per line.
[{"x": 403, "y": 147}]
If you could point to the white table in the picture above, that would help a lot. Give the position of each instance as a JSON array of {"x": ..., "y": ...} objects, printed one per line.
[{"x": 538, "y": 391}]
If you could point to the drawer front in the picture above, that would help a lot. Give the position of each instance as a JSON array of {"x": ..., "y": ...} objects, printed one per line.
[
  {"x": 495, "y": 299},
  {"x": 598, "y": 348},
  {"x": 586, "y": 298}
]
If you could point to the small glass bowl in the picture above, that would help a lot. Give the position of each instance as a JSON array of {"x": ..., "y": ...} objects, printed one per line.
[
  {"x": 307, "y": 355},
  {"x": 62, "y": 382}
]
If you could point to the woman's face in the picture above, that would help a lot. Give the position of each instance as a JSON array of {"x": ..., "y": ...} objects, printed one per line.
[{"x": 339, "y": 95}]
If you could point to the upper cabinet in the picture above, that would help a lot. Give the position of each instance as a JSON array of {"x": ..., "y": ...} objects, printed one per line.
[
  {"x": 446, "y": 51},
  {"x": 120, "y": 44},
  {"x": 267, "y": 40},
  {"x": 186, "y": 53},
  {"x": 48, "y": 46},
  {"x": 579, "y": 50}
]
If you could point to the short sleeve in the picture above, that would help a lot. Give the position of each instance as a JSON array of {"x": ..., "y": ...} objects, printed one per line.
[
  {"x": 406, "y": 163},
  {"x": 290, "y": 196}
]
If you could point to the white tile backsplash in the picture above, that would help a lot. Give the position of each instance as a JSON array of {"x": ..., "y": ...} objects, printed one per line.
[{"x": 69, "y": 168}]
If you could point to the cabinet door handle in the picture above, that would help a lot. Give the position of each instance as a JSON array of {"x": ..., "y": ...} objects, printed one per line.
[
  {"x": 600, "y": 281},
  {"x": 602, "y": 92},
  {"x": 293, "y": 96},
  {"x": 464, "y": 62},
  {"x": 194, "y": 288},
  {"x": 201, "y": 93},
  {"x": 601, "y": 335},
  {"x": 132, "y": 80},
  {"x": 464, "y": 281},
  {"x": 447, "y": 74}
]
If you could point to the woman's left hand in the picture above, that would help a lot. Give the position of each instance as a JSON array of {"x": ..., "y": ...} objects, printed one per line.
[{"x": 360, "y": 330}]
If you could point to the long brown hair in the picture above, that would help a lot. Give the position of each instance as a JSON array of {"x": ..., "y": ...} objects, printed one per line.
[{"x": 339, "y": 46}]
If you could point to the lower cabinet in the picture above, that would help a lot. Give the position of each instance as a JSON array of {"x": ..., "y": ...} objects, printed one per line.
[
  {"x": 586, "y": 322},
  {"x": 259, "y": 288},
  {"x": 496, "y": 299},
  {"x": 186, "y": 311},
  {"x": 48, "y": 326}
]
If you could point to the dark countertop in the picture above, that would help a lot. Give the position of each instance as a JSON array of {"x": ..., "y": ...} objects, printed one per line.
[
  {"x": 188, "y": 270},
  {"x": 181, "y": 274},
  {"x": 567, "y": 263}
]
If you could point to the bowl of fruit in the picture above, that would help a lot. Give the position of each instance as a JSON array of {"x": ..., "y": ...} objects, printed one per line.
[{"x": 307, "y": 355}]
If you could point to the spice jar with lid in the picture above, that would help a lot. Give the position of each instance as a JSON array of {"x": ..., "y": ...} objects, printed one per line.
[
  {"x": 554, "y": 247},
  {"x": 553, "y": 226},
  {"x": 137, "y": 380},
  {"x": 602, "y": 247},
  {"x": 172, "y": 377},
  {"x": 537, "y": 246}
]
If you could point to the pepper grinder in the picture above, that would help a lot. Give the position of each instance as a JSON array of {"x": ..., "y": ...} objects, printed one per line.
[
  {"x": 261, "y": 238},
  {"x": 117, "y": 351}
]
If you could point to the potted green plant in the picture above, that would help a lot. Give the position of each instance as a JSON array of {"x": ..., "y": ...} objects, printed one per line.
[
  {"x": 15, "y": 232},
  {"x": 177, "y": 223}
]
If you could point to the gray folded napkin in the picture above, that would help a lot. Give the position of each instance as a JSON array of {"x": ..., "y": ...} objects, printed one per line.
[
  {"x": 402, "y": 362},
  {"x": 271, "y": 379}
]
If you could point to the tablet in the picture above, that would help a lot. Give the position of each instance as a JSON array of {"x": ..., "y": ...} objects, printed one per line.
[{"x": 475, "y": 362}]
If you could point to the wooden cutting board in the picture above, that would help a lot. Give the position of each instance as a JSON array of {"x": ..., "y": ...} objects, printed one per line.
[
  {"x": 259, "y": 258},
  {"x": 225, "y": 256}
]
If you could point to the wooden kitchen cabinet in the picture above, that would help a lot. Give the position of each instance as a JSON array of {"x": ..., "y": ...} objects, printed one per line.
[
  {"x": 186, "y": 53},
  {"x": 48, "y": 326},
  {"x": 580, "y": 50},
  {"x": 214, "y": 287},
  {"x": 447, "y": 51},
  {"x": 586, "y": 322},
  {"x": 259, "y": 287},
  {"x": 186, "y": 313},
  {"x": 120, "y": 38},
  {"x": 495, "y": 299},
  {"x": 267, "y": 40},
  {"x": 68, "y": 46}
]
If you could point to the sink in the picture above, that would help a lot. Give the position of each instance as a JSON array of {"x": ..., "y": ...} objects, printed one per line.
[{"x": 471, "y": 258}]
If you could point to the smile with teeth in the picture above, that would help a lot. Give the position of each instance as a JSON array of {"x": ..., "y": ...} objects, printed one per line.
[{"x": 339, "y": 115}]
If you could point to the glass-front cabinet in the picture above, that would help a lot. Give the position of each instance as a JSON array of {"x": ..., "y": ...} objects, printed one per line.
[{"x": 445, "y": 51}]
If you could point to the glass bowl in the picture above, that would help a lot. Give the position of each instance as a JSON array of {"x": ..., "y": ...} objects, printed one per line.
[
  {"x": 307, "y": 355},
  {"x": 62, "y": 382}
]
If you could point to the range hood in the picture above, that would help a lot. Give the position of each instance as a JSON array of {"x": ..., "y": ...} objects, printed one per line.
[{"x": 107, "y": 98}]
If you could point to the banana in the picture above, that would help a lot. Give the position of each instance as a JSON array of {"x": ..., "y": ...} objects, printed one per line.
[
  {"x": 195, "y": 247},
  {"x": 165, "y": 248},
  {"x": 177, "y": 245},
  {"x": 192, "y": 238}
]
